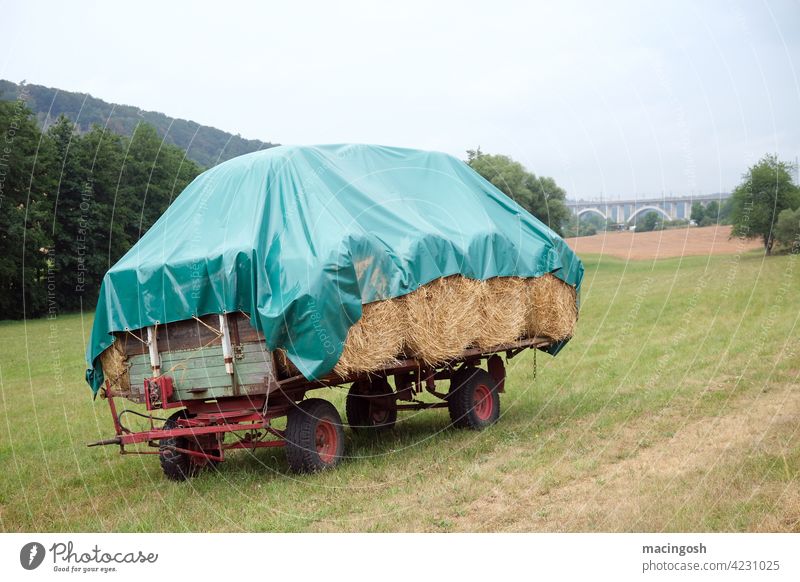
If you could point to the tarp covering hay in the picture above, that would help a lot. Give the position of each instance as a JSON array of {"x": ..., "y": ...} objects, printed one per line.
[
  {"x": 435, "y": 324},
  {"x": 302, "y": 238}
]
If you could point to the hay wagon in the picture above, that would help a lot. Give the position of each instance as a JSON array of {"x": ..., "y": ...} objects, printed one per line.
[
  {"x": 225, "y": 390},
  {"x": 386, "y": 270}
]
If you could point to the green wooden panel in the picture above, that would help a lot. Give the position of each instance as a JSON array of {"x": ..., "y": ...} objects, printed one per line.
[
  {"x": 212, "y": 392},
  {"x": 211, "y": 376},
  {"x": 250, "y": 372},
  {"x": 205, "y": 368},
  {"x": 200, "y": 358},
  {"x": 139, "y": 370},
  {"x": 255, "y": 365}
]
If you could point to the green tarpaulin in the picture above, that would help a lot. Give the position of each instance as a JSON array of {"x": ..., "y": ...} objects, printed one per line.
[{"x": 301, "y": 237}]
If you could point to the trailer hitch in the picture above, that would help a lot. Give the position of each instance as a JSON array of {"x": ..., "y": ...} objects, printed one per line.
[{"x": 114, "y": 441}]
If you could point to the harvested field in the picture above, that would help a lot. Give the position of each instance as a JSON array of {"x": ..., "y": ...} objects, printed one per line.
[
  {"x": 664, "y": 413},
  {"x": 708, "y": 240}
]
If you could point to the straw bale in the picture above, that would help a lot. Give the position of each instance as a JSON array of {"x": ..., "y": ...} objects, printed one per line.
[
  {"x": 443, "y": 317},
  {"x": 503, "y": 311},
  {"x": 552, "y": 308},
  {"x": 375, "y": 340},
  {"x": 115, "y": 367},
  {"x": 285, "y": 365}
]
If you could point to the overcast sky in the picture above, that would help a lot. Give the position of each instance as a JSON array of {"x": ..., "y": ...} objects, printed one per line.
[{"x": 609, "y": 98}]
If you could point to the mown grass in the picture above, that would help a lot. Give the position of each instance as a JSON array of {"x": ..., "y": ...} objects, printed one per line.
[{"x": 675, "y": 407}]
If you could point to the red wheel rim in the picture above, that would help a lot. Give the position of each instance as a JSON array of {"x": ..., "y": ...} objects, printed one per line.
[
  {"x": 482, "y": 404},
  {"x": 326, "y": 441}
]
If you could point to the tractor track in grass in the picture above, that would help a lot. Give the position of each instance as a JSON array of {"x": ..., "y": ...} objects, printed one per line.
[{"x": 642, "y": 479}]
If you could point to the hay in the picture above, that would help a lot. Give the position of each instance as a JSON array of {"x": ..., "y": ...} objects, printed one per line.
[
  {"x": 285, "y": 365},
  {"x": 375, "y": 340},
  {"x": 552, "y": 308},
  {"x": 372, "y": 343},
  {"x": 503, "y": 311},
  {"x": 443, "y": 317},
  {"x": 115, "y": 367}
]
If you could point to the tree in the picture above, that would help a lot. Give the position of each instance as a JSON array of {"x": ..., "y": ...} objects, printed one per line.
[
  {"x": 648, "y": 222},
  {"x": 473, "y": 155},
  {"x": 587, "y": 224},
  {"x": 766, "y": 190},
  {"x": 711, "y": 214},
  {"x": 591, "y": 221},
  {"x": 540, "y": 196},
  {"x": 66, "y": 224},
  {"x": 725, "y": 210},
  {"x": 102, "y": 153},
  {"x": 72, "y": 204},
  {"x": 207, "y": 146},
  {"x": 787, "y": 230},
  {"x": 24, "y": 212},
  {"x": 698, "y": 212}
]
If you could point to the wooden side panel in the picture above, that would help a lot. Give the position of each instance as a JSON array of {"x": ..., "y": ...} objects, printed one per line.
[
  {"x": 246, "y": 332},
  {"x": 200, "y": 373},
  {"x": 138, "y": 369},
  {"x": 189, "y": 334}
]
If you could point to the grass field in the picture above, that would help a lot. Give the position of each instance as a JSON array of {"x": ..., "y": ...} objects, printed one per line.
[{"x": 675, "y": 408}]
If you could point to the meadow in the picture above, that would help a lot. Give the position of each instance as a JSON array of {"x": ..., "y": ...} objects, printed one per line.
[{"x": 676, "y": 407}]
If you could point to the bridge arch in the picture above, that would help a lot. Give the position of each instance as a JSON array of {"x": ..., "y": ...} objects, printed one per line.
[
  {"x": 595, "y": 210},
  {"x": 638, "y": 211}
]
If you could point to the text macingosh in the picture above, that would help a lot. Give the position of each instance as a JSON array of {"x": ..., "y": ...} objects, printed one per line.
[{"x": 670, "y": 549}]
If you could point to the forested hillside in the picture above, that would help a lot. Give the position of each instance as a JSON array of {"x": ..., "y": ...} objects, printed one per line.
[
  {"x": 73, "y": 203},
  {"x": 205, "y": 145}
]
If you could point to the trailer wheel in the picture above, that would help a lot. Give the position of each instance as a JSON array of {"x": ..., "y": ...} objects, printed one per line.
[
  {"x": 176, "y": 465},
  {"x": 373, "y": 408},
  {"x": 473, "y": 400},
  {"x": 314, "y": 436}
]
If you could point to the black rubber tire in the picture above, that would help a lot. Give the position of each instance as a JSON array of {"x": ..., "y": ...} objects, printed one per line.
[
  {"x": 177, "y": 466},
  {"x": 465, "y": 412},
  {"x": 303, "y": 425},
  {"x": 361, "y": 415}
]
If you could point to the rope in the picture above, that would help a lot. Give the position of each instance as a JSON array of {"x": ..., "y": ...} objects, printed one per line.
[
  {"x": 214, "y": 329},
  {"x": 136, "y": 336}
]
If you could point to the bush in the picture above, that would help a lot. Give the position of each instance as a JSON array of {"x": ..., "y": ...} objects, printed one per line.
[{"x": 787, "y": 230}]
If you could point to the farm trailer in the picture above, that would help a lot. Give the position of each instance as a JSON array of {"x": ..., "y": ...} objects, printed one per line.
[{"x": 226, "y": 389}]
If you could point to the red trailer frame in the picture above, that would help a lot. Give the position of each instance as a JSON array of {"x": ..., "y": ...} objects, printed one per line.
[{"x": 194, "y": 436}]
